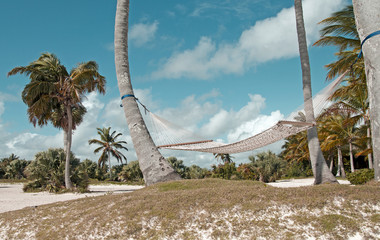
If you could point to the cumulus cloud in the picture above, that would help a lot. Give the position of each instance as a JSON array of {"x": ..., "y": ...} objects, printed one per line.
[
  {"x": 142, "y": 33},
  {"x": 202, "y": 114},
  {"x": 268, "y": 39}
]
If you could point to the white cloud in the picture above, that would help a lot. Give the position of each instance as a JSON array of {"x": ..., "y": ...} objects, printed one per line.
[
  {"x": 142, "y": 33},
  {"x": 269, "y": 39},
  {"x": 201, "y": 114}
]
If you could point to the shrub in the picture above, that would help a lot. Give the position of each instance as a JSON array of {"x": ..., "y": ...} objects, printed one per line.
[
  {"x": 268, "y": 165},
  {"x": 131, "y": 172},
  {"x": 361, "y": 176},
  {"x": 225, "y": 171},
  {"x": 47, "y": 172}
]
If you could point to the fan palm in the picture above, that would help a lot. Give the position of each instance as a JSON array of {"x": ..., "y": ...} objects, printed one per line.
[
  {"x": 109, "y": 144},
  {"x": 52, "y": 88}
]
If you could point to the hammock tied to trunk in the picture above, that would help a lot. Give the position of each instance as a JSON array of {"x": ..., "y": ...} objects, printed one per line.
[{"x": 170, "y": 136}]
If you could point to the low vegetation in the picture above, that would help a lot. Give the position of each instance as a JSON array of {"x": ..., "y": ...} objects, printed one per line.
[{"x": 206, "y": 209}]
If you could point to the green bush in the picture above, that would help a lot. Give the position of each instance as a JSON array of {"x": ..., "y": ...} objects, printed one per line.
[
  {"x": 131, "y": 172},
  {"x": 225, "y": 171},
  {"x": 47, "y": 172},
  {"x": 361, "y": 176}
]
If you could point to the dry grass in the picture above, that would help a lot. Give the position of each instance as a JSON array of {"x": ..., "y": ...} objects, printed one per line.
[{"x": 206, "y": 209}]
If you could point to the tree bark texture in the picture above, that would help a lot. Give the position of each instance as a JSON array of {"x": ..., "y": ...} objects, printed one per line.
[
  {"x": 69, "y": 135},
  {"x": 367, "y": 17},
  {"x": 153, "y": 165},
  {"x": 321, "y": 171},
  {"x": 351, "y": 157}
]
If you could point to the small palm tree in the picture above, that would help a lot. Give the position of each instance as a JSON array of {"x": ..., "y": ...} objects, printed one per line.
[{"x": 109, "y": 144}]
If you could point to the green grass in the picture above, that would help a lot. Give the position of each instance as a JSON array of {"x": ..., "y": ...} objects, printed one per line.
[{"x": 209, "y": 208}]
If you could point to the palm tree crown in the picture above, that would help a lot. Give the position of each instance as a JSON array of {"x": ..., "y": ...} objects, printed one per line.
[
  {"x": 109, "y": 144},
  {"x": 55, "y": 95}
]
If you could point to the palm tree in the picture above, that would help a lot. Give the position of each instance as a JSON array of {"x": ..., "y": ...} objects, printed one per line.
[
  {"x": 367, "y": 19},
  {"x": 153, "y": 165},
  {"x": 338, "y": 132},
  {"x": 321, "y": 171},
  {"x": 340, "y": 30},
  {"x": 109, "y": 144},
  {"x": 52, "y": 88},
  {"x": 224, "y": 157}
]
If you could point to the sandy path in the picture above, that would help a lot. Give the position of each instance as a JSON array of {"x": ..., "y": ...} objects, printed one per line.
[{"x": 13, "y": 198}]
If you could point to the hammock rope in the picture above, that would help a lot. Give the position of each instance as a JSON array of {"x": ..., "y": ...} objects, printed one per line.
[{"x": 171, "y": 136}]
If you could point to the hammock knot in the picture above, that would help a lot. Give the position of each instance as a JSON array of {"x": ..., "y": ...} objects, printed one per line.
[{"x": 131, "y": 95}]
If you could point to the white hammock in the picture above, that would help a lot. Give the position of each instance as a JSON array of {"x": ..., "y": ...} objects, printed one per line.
[
  {"x": 173, "y": 133},
  {"x": 279, "y": 131}
]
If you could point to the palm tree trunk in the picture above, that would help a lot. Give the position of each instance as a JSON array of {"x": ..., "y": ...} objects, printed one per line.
[
  {"x": 351, "y": 157},
  {"x": 367, "y": 20},
  {"x": 64, "y": 140},
  {"x": 340, "y": 172},
  {"x": 152, "y": 164},
  {"x": 109, "y": 164},
  {"x": 69, "y": 134},
  {"x": 370, "y": 163},
  {"x": 331, "y": 163},
  {"x": 321, "y": 171}
]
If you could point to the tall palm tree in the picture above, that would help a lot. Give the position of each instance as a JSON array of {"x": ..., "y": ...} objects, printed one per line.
[
  {"x": 321, "y": 171},
  {"x": 109, "y": 144},
  {"x": 153, "y": 165},
  {"x": 51, "y": 88},
  {"x": 367, "y": 21}
]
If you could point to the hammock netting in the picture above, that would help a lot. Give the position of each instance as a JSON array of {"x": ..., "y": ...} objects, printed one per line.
[
  {"x": 171, "y": 136},
  {"x": 279, "y": 131}
]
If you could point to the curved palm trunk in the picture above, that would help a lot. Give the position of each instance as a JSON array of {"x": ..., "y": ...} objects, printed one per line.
[
  {"x": 320, "y": 169},
  {"x": 152, "y": 164},
  {"x": 69, "y": 134},
  {"x": 367, "y": 20}
]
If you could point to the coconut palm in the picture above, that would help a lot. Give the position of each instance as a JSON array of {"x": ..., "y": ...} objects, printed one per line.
[
  {"x": 321, "y": 171},
  {"x": 109, "y": 144},
  {"x": 52, "y": 88},
  {"x": 153, "y": 165},
  {"x": 367, "y": 19},
  {"x": 340, "y": 31},
  {"x": 337, "y": 132},
  {"x": 224, "y": 157}
]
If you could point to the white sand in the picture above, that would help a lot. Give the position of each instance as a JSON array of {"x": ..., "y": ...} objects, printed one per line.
[
  {"x": 298, "y": 182},
  {"x": 13, "y": 198}
]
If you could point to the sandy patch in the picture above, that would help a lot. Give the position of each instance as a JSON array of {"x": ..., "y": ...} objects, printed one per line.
[
  {"x": 13, "y": 198},
  {"x": 299, "y": 182}
]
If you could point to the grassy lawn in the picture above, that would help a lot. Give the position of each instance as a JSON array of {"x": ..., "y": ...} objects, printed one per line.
[{"x": 206, "y": 209}]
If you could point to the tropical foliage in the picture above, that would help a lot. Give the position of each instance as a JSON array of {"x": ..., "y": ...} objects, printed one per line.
[
  {"x": 109, "y": 145},
  {"x": 54, "y": 94},
  {"x": 344, "y": 127},
  {"x": 47, "y": 172}
]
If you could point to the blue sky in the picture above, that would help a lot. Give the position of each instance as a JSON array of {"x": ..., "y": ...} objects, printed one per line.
[{"x": 225, "y": 69}]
